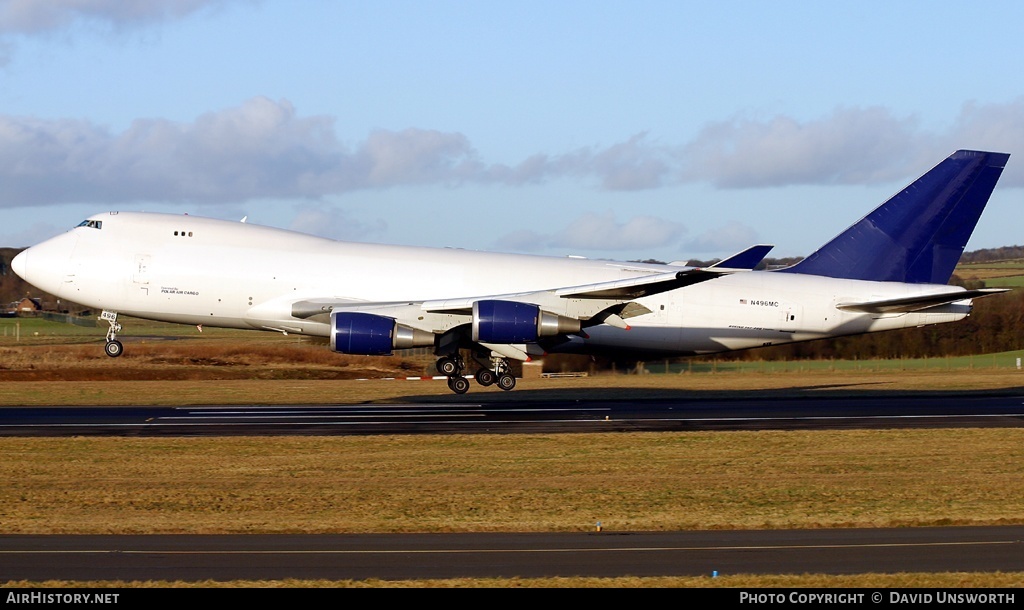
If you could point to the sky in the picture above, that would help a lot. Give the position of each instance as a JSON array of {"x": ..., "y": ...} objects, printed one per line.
[{"x": 670, "y": 130}]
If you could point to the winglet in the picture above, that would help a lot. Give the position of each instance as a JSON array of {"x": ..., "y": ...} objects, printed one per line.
[
  {"x": 918, "y": 235},
  {"x": 747, "y": 259}
]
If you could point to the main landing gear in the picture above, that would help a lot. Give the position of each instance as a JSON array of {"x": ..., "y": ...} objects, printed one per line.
[
  {"x": 113, "y": 348},
  {"x": 453, "y": 366},
  {"x": 500, "y": 373}
]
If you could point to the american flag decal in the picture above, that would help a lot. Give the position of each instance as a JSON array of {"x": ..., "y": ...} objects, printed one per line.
[{"x": 743, "y": 301}]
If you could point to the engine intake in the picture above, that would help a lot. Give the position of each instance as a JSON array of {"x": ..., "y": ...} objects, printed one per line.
[
  {"x": 514, "y": 322},
  {"x": 368, "y": 334}
]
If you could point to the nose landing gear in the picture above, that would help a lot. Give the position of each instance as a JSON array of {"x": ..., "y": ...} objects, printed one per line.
[{"x": 113, "y": 348}]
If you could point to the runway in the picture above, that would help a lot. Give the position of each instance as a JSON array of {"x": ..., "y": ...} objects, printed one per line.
[
  {"x": 524, "y": 415},
  {"x": 440, "y": 556}
]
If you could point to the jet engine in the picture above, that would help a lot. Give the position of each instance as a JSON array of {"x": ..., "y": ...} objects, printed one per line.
[
  {"x": 513, "y": 322},
  {"x": 368, "y": 334}
]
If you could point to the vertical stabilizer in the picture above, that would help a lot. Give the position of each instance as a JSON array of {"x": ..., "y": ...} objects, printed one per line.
[{"x": 918, "y": 235}]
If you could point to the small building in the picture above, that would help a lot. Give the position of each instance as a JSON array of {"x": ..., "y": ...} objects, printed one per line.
[{"x": 28, "y": 305}]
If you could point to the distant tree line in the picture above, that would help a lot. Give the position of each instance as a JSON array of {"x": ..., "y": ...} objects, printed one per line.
[
  {"x": 988, "y": 255},
  {"x": 985, "y": 255},
  {"x": 996, "y": 324}
]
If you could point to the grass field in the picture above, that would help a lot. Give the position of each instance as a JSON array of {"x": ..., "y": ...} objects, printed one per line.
[
  {"x": 628, "y": 481},
  {"x": 989, "y": 269},
  {"x": 995, "y": 274},
  {"x": 1016, "y": 281}
]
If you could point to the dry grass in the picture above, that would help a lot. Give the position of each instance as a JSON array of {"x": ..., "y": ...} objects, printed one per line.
[
  {"x": 260, "y": 357},
  {"x": 635, "y": 481},
  {"x": 998, "y": 580}
]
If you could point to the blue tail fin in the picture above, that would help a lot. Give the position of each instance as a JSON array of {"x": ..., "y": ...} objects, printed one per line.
[{"x": 918, "y": 235}]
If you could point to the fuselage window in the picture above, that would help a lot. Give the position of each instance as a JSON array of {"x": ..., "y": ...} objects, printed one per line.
[{"x": 92, "y": 224}]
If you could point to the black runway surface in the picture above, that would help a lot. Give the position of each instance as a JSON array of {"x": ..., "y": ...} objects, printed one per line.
[
  {"x": 516, "y": 416},
  {"x": 508, "y": 555}
]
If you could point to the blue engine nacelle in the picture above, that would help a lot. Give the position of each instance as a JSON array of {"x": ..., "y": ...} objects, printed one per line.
[
  {"x": 514, "y": 322},
  {"x": 368, "y": 334}
]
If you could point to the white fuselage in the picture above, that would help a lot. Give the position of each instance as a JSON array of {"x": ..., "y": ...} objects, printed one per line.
[{"x": 201, "y": 271}]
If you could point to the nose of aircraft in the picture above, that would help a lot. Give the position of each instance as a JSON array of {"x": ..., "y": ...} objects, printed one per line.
[
  {"x": 46, "y": 265},
  {"x": 20, "y": 264}
]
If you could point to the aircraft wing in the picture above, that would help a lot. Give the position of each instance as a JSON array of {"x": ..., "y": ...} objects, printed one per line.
[
  {"x": 582, "y": 302},
  {"x": 559, "y": 312},
  {"x": 602, "y": 302},
  {"x": 917, "y": 303}
]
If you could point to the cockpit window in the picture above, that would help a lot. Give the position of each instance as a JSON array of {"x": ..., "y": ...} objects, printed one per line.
[{"x": 94, "y": 224}]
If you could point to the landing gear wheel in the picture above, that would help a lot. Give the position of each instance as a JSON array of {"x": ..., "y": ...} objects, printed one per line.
[
  {"x": 113, "y": 348},
  {"x": 447, "y": 366},
  {"x": 506, "y": 381},
  {"x": 459, "y": 385},
  {"x": 485, "y": 377}
]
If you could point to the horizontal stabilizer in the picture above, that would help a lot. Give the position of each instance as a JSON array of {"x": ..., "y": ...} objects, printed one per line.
[{"x": 908, "y": 304}]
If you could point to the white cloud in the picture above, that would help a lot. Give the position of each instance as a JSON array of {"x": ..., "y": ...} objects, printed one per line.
[
  {"x": 627, "y": 166},
  {"x": 264, "y": 149},
  {"x": 42, "y": 17},
  {"x": 414, "y": 156},
  {"x": 849, "y": 146},
  {"x": 855, "y": 145},
  {"x": 996, "y": 127},
  {"x": 258, "y": 150},
  {"x": 35, "y": 16},
  {"x": 593, "y": 231},
  {"x": 332, "y": 223},
  {"x": 635, "y": 164},
  {"x": 731, "y": 237},
  {"x": 602, "y": 231}
]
